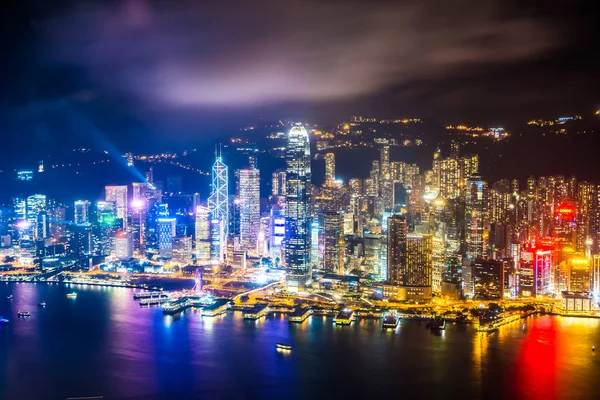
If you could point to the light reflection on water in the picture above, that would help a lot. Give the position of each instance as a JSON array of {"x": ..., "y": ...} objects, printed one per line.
[{"x": 103, "y": 343}]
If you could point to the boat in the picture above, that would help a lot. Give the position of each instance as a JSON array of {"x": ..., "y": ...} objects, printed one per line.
[
  {"x": 23, "y": 314},
  {"x": 282, "y": 346},
  {"x": 4, "y": 321},
  {"x": 390, "y": 322},
  {"x": 9, "y": 297},
  {"x": 344, "y": 317},
  {"x": 301, "y": 314},
  {"x": 149, "y": 294},
  {"x": 72, "y": 295},
  {"x": 438, "y": 323},
  {"x": 42, "y": 304}
]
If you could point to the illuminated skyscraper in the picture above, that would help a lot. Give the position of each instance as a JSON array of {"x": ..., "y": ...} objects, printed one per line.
[
  {"x": 202, "y": 235},
  {"x": 249, "y": 201},
  {"x": 118, "y": 195},
  {"x": 329, "y": 169},
  {"x": 475, "y": 215},
  {"x": 166, "y": 233},
  {"x": 297, "y": 225},
  {"x": 36, "y": 205},
  {"x": 333, "y": 242},
  {"x": 81, "y": 211},
  {"x": 218, "y": 204},
  {"x": 396, "y": 253},
  {"x": 278, "y": 186},
  {"x": 123, "y": 246}
]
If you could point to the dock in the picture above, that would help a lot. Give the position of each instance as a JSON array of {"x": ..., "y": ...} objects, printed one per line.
[
  {"x": 300, "y": 314},
  {"x": 219, "y": 307},
  {"x": 256, "y": 312}
]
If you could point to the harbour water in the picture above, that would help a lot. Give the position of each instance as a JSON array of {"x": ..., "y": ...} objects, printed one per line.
[{"x": 103, "y": 344}]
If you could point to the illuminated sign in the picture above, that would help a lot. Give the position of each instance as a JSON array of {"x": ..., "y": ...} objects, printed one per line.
[{"x": 565, "y": 209}]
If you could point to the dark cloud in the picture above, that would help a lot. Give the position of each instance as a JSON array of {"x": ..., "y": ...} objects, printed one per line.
[{"x": 238, "y": 53}]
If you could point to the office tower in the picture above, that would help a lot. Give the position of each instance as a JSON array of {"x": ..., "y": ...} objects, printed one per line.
[
  {"x": 579, "y": 274},
  {"x": 57, "y": 223},
  {"x": 19, "y": 208},
  {"x": 355, "y": 186},
  {"x": 475, "y": 216},
  {"x": 249, "y": 202},
  {"x": 384, "y": 161},
  {"x": 36, "y": 204},
  {"x": 333, "y": 242},
  {"x": 123, "y": 246},
  {"x": 396, "y": 253},
  {"x": 218, "y": 243},
  {"x": 438, "y": 262},
  {"x": 182, "y": 249},
  {"x": 595, "y": 276},
  {"x": 81, "y": 212},
  {"x": 278, "y": 186},
  {"x": 488, "y": 278},
  {"x": 297, "y": 226},
  {"x": 564, "y": 229},
  {"x": 202, "y": 235},
  {"x": 79, "y": 241},
  {"x": 218, "y": 204},
  {"x": 166, "y": 233},
  {"x": 277, "y": 233},
  {"x": 118, "y": 195},
  {"x": 587, "y": 197},
  {"x": 329, "y": 169},
  {"x": 150, "y": 176},
  {"x": 418, "y": 261}
]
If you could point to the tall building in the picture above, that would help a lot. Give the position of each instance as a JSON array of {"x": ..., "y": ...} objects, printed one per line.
[
  {"x": 475, "y": 216},
  {"x": 329, "y": 169},
  {"x": 249, "y": 201},
  {"x": 419, "y": 269},
  {"x": 36, "y": 204},
  {"x": 81, "y": 209},
  {"x": 218, "y": 204},
  {"x": 277, "y": 233},
  {"x": 202, "y": 235},
  {"x": 118, "y": 195},
  {"x": 396, "y": 253},
  {"x": 297, "y": 226},
  {"x": 166, "y": 233},
  {"x": 278, "y": 186},
  {"x": 333, "y": 242},
  {"x": 123, "y": 246},
  {"x": 488, "y": 277}
]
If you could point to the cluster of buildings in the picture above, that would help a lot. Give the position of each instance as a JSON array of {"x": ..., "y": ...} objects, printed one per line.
[{"x": 412, "y": 233}]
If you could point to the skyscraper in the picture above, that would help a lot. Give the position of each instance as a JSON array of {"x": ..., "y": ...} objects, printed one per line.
[
  {"x": 396, "y": 254},
  {"x": 202, "y": 235},
  {"x": 249, "y": 201},
  {"x": 297, "y": 224},
  {"x": 329, "y": 169},
  {"x": 166, "y": 233},
  {"x": 475, "y": 215},
  {"x": 218, "y": 204},
  {"x": 81, "y": 211},
  {"x": 118, "y": 195}
]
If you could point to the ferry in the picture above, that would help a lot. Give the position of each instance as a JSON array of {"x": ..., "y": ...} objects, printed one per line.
[
  {"x": 300, "y": 314},
  {"x": 256, "y": 312},
  {"x": 42, "y": 304},
  {"x": 218, "y": 308},
  {"x": 281, "y": 346},
  {"x": 72, "y": 295},
  {"x": 9, "y": 297},
  {"x": 344, "y": 317},
  {"x": 153, "y": 301},
  {"x": 23, "y": 314},
  {"x": 390, "y": 322}
]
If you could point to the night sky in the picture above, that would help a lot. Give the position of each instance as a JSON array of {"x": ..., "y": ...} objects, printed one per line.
[{"x": 143, "y": 73}]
